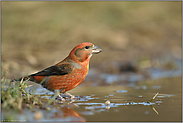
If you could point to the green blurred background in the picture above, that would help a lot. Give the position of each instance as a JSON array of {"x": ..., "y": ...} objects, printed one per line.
[{"x": 36, "y": 35}]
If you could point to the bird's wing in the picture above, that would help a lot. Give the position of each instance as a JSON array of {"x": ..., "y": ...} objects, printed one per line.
[{"x": 60, "y": 69}]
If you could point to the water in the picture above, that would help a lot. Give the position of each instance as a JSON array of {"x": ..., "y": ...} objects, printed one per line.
[{"x": 127, "y": 103}]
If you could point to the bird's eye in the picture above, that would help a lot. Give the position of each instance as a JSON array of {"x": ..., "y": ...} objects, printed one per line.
[{"x": 87, "y": 47}]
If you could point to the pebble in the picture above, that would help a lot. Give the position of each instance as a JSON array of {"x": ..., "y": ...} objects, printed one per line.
[
  {"x": 107, "y": 102},
  {"x": 38, "y": 115}
]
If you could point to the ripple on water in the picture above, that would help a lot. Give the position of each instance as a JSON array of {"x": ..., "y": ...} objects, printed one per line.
[
  {"x": 122, "y": 91},
  {"x": 164, "y": 95}
]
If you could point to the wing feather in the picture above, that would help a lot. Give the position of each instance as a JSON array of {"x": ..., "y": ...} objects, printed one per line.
[{"x": 60, "y": 69}]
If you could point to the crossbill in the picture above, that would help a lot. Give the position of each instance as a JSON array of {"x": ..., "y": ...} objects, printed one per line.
[{"x": 68, "y": 73}]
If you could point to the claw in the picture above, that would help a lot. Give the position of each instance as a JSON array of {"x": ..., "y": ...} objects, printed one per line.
[
  {"x": 62, "y": 96},
  {"x": 57, "y": 96},
  {"x": 71, "y": 96}
]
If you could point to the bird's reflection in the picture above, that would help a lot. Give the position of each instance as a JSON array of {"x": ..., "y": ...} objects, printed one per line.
[{"x": 68, "y": 114}]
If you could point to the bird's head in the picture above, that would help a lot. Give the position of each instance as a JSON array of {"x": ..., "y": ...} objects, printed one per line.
[{"x": 83, "y": 52}]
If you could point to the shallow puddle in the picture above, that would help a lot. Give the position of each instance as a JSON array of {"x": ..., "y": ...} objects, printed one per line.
[
  {"x": 129, "y": 103},
  {"x": 114, "y": 103}
]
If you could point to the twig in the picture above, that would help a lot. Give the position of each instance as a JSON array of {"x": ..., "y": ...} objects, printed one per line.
[
  {"x": 154, "y": 97},
  {"x": 155, "y": 110}
]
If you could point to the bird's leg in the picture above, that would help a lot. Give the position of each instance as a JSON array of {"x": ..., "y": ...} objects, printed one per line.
[
  {"x": 63, "y": 96},
  {"x": 68, "y": 94},
  {"x": 58, "y": 96}
]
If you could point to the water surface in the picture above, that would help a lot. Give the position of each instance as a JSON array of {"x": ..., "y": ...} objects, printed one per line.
[{"x": 127, "y": 103}]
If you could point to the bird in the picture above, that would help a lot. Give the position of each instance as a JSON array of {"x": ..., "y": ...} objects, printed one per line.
[{"x": 68, "y": 73}]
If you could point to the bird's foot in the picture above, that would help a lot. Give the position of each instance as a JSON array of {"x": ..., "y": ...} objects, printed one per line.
[
  {"x": 58, "y": 97},
  {"x": 63, "y": 96},
  {"x": 70, "y": 95},
  {"x": 67, "y": 96}
]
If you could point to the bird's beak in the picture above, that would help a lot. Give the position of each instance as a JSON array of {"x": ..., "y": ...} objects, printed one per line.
[{"x": 96, "y": 50}]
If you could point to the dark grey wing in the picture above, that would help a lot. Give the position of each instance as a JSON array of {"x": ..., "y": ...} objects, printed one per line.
[{"x": 55, "y": 70}]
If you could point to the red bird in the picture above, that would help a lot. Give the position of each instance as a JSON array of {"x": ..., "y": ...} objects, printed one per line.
[{"x": 68, "y": 73}]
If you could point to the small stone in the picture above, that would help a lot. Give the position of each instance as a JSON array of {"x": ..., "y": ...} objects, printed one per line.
[
  {"x": 107, "y": 102},
  {"x": 38, "y": 115}
]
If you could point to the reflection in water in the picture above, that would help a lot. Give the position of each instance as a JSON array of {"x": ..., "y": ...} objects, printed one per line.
[
  {"x": 120, "y": 103},
  {"x": 154, "y": 109},
  {"x": 67, "y": 114},
  {"x": 100, "y": 107}
]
